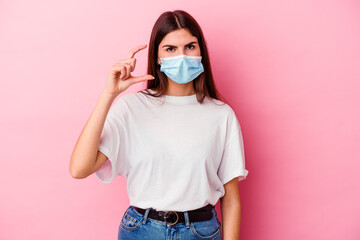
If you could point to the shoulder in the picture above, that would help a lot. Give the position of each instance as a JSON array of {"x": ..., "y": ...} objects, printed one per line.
[
  {"x": 126, "y": 99},
  {"x": 121, "y": 106},
  {"x": 223, "y": 108},
  {"x": 228, "y": 115},
  {"x": 129, "y": 102},
  {"x": 134, "y": 97}
]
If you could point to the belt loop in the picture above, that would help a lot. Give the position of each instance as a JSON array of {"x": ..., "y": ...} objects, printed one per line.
[
  {"x": 146, "y": 215},
  {"x": 186, "y": 216}
]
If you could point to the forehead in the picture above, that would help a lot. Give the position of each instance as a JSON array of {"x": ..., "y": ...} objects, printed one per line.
[{"x": 178, "y": 37}]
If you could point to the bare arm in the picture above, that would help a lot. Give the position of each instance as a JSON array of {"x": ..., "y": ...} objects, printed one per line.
[
  {"x": 231, "y": 211},
  {"x": 85, "y": 154}
]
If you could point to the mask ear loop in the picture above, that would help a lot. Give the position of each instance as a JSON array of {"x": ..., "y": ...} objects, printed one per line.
[{"x": 159, "y": 61}]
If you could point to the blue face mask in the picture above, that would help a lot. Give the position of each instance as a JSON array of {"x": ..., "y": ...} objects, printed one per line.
[{"x": 182, "y": 68}]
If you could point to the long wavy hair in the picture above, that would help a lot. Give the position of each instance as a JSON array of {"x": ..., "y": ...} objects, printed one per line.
[{"x": 169, "y": 21}]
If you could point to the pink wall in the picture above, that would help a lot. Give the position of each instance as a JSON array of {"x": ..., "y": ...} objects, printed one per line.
[{"x": 290, "y": 69}]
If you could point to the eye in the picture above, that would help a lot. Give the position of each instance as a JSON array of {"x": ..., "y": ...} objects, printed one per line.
[
  {"x": 191, "y": 46},
  {"x": 168, "y": 49}
]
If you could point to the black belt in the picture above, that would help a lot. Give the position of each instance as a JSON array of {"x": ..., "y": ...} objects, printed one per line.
[{"x": 173, "y": 217}]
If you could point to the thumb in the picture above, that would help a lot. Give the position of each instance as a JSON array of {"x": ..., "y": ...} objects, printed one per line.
[{"x": 143, "y": 78}]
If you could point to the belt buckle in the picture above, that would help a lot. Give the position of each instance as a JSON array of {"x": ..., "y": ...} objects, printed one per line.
[{"x": 168, "y": 217}]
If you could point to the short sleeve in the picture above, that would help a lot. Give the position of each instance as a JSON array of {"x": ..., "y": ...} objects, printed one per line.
[
  {"x": 111, "y": 141},
  {"x": 233, "y": 158}
]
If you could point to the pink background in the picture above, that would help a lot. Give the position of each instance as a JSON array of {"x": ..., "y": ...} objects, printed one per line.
[{"x": 290, "y": 70}]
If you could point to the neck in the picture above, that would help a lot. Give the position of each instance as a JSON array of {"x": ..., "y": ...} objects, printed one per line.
[{"x": 176, "y": 89}]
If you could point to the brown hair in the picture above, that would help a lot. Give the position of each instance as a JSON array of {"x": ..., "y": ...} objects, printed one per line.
[{"x": 169, "y": 21}]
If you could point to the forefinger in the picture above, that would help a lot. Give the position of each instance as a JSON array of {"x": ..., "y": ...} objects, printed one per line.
[{"x": 133, "y": 51}]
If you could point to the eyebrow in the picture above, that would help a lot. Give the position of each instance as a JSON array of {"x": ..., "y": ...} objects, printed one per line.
[{"x": 168, "y": 45}]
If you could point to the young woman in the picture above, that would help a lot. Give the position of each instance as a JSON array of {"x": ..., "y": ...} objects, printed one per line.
[{"x": 179, "y": 147}]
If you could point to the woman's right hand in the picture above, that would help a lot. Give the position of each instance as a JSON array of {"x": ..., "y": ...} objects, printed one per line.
[{"x": 120, "y": 78}]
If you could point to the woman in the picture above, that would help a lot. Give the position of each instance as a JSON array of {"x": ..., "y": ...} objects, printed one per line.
[{"x": 179, "y": 147}]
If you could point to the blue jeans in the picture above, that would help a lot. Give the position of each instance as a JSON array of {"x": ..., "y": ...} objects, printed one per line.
[{"x": 135, "y": 225}]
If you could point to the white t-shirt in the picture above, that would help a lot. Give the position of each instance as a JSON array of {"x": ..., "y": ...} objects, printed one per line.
[{"x": 175, "y": 153}]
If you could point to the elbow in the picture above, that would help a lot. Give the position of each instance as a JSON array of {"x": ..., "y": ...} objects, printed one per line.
[{"x": 76, "y": 172}]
